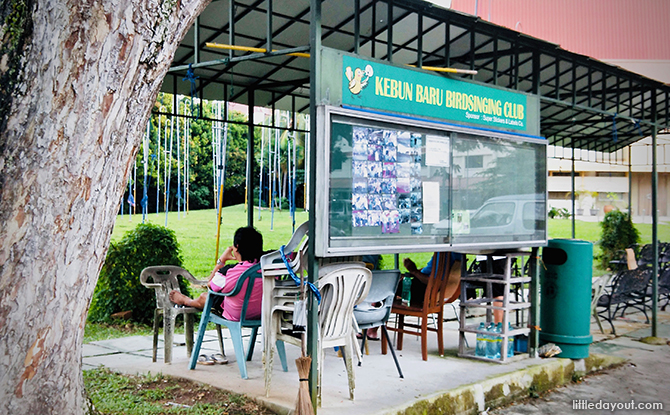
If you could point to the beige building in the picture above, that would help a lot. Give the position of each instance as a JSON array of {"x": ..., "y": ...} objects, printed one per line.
[{"x": 611, "y": 179}]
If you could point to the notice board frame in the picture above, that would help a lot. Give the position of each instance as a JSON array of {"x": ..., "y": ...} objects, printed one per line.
[{"x": 328, "y": 245}]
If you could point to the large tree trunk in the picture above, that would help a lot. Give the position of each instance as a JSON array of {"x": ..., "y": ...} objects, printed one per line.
[{"x": 78, "y": 79}]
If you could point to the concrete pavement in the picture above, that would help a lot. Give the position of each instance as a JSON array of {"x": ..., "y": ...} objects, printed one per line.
[{"x": 442, "y": 384}]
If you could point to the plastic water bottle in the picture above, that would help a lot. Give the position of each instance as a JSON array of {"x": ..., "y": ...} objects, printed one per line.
[
  {"x": 480, "y": 347},
  {"x": 498, "y": 340},
  {"x": 406, "y": 290},
  {"x": 510, "y": 342},
  {"x": 490, "y": 342}
]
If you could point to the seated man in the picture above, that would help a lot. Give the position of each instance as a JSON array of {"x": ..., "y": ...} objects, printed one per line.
[
  {"x": 247, "y": 249},
  {"x": 420, "y": 280}
]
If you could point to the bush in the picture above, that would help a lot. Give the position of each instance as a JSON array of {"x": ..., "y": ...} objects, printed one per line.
[
  {"x": 119, "y": 287},
  {"x": 556, "y": 213},
  {"x": 618, "y": 234}
]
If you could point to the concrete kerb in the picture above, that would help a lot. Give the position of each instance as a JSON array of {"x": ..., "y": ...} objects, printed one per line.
[{"x": 503, "y": 389}]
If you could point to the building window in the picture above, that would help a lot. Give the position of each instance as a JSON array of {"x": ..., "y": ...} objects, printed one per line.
[
  {"x": 559, "y": 195},
  {"x": 562, "y": 173},
  {"x": 610, "y": 174},
  {"x": 474, "y": 162},
  {"x": 610, "y": 197}
]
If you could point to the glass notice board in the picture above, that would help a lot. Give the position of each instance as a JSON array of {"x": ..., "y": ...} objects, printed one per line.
[{"x": 389, "y": 184}]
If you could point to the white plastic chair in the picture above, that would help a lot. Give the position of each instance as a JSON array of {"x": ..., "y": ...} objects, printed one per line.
[
  {"x": 342, "y": 286},
  {"x": 279, "y": 299}
]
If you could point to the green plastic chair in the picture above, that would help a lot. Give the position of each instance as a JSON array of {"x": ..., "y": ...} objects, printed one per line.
[{"x": 235, "y": 327}]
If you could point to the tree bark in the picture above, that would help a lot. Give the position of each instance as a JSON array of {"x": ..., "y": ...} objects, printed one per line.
[{"x": 78, "y": 79}]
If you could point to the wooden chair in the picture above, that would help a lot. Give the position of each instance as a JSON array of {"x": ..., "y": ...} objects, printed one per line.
[{"x": 443, "y": 287}]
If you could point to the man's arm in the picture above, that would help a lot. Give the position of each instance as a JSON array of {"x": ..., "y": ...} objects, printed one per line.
[
  {"x": 414, "y": 271},
  {"x": 226, "y": 256}
]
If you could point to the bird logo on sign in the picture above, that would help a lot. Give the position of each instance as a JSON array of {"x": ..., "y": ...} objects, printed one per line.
[{"x": 358, "y": 78}]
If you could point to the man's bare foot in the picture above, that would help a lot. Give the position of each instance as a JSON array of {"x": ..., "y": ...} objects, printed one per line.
[{"x": 179, "y": 298}]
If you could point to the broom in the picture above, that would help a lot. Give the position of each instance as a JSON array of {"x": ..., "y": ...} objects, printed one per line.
[{"x": 304, "y": 404}]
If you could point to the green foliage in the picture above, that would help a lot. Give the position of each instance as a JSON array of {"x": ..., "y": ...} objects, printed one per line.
[
  {"x": 618, "y": 233},
  {"x": 559, "y": 213},
  {"x": 119, "y": 287}
]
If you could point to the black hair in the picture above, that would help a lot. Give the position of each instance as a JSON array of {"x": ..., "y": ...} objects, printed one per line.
[{"x": 249, "y": 243}]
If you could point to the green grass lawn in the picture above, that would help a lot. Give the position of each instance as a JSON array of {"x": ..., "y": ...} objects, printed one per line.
[{"x": 196, "y": 233}]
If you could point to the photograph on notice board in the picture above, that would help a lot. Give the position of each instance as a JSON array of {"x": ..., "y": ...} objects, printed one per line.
[
  {"x": 390, "y": 221},
  {"x": 389, "y": 202},
  {"x": 403, "y": 169},
  {"x": 390, "y": 153},
  {"x": 374, "y": 218},
  {"x": 360, "y": 152},
  {"x": 417, "y": 229},
  {"x": 361, "y": 135},
  {"x": 359, "y": 218},
  {"x": 389, "y": 186},
  {"x": 389, "y": 171},
  {"x": 359, "y": 202},
  {"x": 416, "y": 215},
  {"x": 375, "y": 136},
  {"x": 375, "y": 202},
  {"x": 374, "y": 152},
  {"x": 375, "y": 186},
  {"x": 375, "y": 169},
  {"x": 360, "y": 185},
  {"x": 360, "y": 169},
  {"x": 416, "y": 141},
  {"x": 404, "y": 215},
  {"x": 391, "y": 137},
  {"x": 415, "y": 184},
  {"x": 404, "y": 201},
  {"x": 404, "y": 185}
]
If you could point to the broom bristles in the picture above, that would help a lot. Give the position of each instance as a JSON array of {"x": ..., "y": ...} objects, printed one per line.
[{"x": 304, "y": 404}]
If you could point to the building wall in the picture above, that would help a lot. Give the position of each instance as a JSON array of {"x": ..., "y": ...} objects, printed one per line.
[{"x": 641, "y": 194}]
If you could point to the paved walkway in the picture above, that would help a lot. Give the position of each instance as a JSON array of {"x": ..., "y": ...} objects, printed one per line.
[{"x": 379, "y": 390}]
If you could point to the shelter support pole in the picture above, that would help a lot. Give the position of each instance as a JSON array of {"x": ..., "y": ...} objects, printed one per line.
[
  {"x": 630, "y": 185},
  {"x": 654, "y": 224},
  {"x": 312, "y": 266},
  {"x": 572, "y": 180},
  {"x": 534, "y": 339},
  {"x": 250, "y": 161}
]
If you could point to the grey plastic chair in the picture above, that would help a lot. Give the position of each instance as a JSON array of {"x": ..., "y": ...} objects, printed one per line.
[
  {"x": 163, "y": 280},
  {"x": 382, "y": 291}
]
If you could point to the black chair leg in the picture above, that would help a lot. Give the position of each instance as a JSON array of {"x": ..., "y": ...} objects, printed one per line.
[
  {"x": 365, "y": 339},
  {"x": 395, "y": 358}
]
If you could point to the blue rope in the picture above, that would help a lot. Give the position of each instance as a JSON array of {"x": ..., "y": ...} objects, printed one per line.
[
  {"x": 190, "y": 76},
  {"x": 639, "y": 127},
  {"x": 310, "y": 285},
  {"x": 614, "y": 132}
]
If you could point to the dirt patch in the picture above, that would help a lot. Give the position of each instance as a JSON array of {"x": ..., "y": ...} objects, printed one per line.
[{"x": 163, "y": 394}]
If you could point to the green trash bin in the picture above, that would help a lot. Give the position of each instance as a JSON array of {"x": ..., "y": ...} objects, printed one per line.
[{"x": 565, "y": 297}]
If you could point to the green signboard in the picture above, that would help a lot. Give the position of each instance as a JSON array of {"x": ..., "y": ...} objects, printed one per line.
[{"x": 374, "y": 85}]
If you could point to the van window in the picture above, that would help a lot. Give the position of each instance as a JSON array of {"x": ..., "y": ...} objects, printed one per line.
[
  {"x": 493, "y": 214},
  {"x": 532, "y": 215}
]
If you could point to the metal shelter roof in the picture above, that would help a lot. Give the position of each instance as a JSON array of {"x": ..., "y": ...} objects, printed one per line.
[{"x": 584, "y": 102}]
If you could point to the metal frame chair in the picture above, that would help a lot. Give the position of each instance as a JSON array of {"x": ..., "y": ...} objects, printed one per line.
[
  {"x": 628, "y": 289},
  {"x": 235, "y": 327}
]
